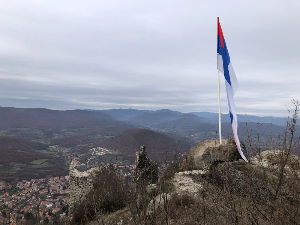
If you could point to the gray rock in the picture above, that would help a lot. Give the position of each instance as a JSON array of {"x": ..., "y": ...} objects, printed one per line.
[
  {"x": 209, "y": 152},
  {"x": 159, "y": 202}
]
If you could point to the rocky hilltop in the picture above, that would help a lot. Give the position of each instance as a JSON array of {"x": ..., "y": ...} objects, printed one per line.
[{"x": 216, "y": 186}]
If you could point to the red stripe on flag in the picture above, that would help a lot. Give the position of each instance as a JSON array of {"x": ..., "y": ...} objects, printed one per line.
[{"x": 220, "y": 33}]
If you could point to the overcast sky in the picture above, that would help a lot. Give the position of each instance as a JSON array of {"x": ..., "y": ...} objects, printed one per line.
[{"x": 148, "y": 54}]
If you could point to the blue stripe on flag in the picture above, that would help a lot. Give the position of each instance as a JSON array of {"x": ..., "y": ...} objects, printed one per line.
[
  {"x": 226, "y": 61},
  {"x": 231, "y": 117},
  {"x": 219, "y": 47}
]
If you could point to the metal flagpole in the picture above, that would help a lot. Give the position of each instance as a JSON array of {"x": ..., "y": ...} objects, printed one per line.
[{"x": 220, "y": 130}]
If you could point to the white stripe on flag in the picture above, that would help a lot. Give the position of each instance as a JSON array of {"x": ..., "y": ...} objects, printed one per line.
[
  {"x": 220, "y": 64},
  {"x": 233, "y": 79},
  {"x": 234, "y": 122}
]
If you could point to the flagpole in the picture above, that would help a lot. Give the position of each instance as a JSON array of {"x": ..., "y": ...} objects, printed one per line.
[{"x": 220, "y": 129}]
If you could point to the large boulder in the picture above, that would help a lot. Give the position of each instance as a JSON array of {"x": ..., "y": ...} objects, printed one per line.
[{"x": 209, "y": 152}]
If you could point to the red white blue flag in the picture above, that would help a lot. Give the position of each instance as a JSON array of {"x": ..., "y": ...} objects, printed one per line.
[{"x": 225, "y": 67}]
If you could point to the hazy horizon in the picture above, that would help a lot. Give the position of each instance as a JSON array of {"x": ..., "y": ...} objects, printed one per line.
[
  {"x": 153, "y": 110},
  {"x": 148, "y": 55}
]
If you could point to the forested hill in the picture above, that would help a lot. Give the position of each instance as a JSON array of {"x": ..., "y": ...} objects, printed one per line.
[
  {"x": 157, "y": 144},
  {"x": 54, "y": 119},
  {"x": 27, "y": 159}
]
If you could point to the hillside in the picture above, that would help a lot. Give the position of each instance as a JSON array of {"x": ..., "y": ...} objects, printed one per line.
[
  {"x": 90, "y": 137},
  {"x": 183, "y": 121},
  {"x": 130, "y": 141},
  {"x": 150, "y": 118},
  {"x": 44, "y": 125},
  {"x": 28, "y": 159},
  {"x": 75, "y": 132},
  {"x": 131, "y": 114},
  {"x": 199, "y": 129},
  {"x": 15, "y": 150},
  {"x": 134, "y": 114},
  {"x": 53, "y": 119},
  {"x": 214, "y": 118},
  {"x": 124, "y": 114},
  {"x": 199, "y": 126},
  {"x": 72, "y": 127}
]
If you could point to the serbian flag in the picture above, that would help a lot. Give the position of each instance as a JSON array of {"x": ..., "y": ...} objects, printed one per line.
[{"x": 225, "y": 67}]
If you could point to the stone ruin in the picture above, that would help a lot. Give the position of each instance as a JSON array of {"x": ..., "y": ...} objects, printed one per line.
[
  {"x": 80, "y": 184},
  {"x": 146, "y": 171}
]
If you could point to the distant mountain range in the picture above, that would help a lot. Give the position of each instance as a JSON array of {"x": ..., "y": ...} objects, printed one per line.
[
  {"x": 146, "y": 117},
  {"x": 198, "y": 126},
  {"x": 76, "y": 127},
  {"x": 53, "y": 119},
  {"x": 214, "y": 118},
  {"x": 27, "y": 134},
  {"x": 60, "y": 119}
]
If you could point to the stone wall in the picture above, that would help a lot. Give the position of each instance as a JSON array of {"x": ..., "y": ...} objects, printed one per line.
[{"x": 80, "y": 184}]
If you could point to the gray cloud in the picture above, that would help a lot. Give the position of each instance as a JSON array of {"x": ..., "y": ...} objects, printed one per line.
[{"x": 147, "y": 54}]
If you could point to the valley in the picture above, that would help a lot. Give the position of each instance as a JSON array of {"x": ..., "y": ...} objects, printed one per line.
[{"x": 40, "y": 143}]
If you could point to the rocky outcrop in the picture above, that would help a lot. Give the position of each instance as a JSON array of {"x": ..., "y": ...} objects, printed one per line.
[
  {"x": 274, "y": 158},
  {"x": 209, "y": 152},
  {"x": 184, "y": 183},
  {"x": 157, "y": 203}
]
